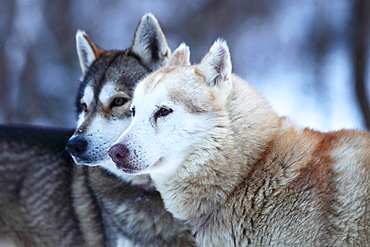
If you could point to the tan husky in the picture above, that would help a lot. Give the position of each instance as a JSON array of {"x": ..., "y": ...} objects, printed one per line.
[{"x": 240, "y": 174}]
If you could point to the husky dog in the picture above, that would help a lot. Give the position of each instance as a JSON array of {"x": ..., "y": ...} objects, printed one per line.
[
  {"x": 130, "y": 206},
  {"x": 225, "y": 161},
  {"x": 36, "y": 207},
  {"x": 46, "y": 201}
]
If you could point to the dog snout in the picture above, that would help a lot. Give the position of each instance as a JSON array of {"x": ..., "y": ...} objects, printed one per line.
[
  {"x": 118, "y": 153},
  {"x": 76, "y": 145}
]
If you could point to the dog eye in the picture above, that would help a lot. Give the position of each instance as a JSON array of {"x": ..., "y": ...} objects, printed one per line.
[
  {"x": 84, "y": 107},
  {"x": 162, "y": 112},
  {"x": 118, "y": 101}
]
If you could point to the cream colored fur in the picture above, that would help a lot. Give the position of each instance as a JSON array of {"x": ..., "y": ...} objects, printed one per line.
[{"x": 240, "y": 174}]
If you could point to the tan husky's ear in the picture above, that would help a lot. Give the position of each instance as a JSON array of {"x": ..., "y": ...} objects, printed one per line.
[
  {"x": 150, "y": 43},
  {"x": 180, "y": 57},
  {"x": 87, "y": 51},
  {"x": 216, "y": 64}
]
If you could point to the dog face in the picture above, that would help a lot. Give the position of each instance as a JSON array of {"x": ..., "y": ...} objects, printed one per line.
[
  {"x": 103, "y": 107},
  {"x": 104, "y": 97},
  {"x": 174, "y": 110}
]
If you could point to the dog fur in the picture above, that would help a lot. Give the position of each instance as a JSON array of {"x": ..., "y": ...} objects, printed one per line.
[
  {"x": 223, "y": 160},
  {"x": 36, "y": 206},
  {"x": 46, "y": 200},
  {"x": 130, "y": 206}
]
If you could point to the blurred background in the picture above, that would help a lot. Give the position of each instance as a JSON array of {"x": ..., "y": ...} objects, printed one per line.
[{"x": 309, "y": 58}]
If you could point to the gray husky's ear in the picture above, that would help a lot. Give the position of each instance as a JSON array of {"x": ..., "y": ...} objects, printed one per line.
[
  {"x": 180, "y": 57},
  {"x": 216, "y": 64},
  {"x": 150, "y": 43},
  {"x": 87, "y": 51}
]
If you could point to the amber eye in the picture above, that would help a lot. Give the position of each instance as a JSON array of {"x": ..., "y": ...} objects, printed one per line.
[
  {"x": 118, "y": 101},
  {"x": 162, "y": 112},
  {"x": 84, "y": 107}
]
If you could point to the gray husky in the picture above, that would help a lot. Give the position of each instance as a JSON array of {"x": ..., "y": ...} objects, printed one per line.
[
  {"x": 104, "y": 209},
  {"x": 131, "y": 208}
]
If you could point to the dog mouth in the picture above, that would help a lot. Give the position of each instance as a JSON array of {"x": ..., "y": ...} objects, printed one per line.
[
  {"x": 145, "y": 169},
  {"x": 158, "y": 163},
  {"x": 83, "y": 162},
  {"x": 129, "y": 170},
  {"x": 88, "y": 161}
]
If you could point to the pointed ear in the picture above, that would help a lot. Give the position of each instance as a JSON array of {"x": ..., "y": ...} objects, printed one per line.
[
  {"x": 216, "y": 64},
  {"x": 150, "y": 43},
  {"x": 87, "y": 51},
  {"x": 180, "y": 57}
]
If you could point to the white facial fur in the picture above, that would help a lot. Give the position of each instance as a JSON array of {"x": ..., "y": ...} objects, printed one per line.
[
  {"x": 196, "y": 98},
  {"x": 102, "y": 132},
  {"x": 160, "y": 144},
  {"x": 107, "y": 92}
]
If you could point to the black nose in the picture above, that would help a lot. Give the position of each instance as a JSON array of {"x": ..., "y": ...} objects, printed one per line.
[
  {"x": 76, "y": 145},
  {"x": 118, "y": 153}
]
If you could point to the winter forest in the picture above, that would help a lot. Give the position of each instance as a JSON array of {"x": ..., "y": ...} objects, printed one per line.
[{"x": 310, "y": 59}]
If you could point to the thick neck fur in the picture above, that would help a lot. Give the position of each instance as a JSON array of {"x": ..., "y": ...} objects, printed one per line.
[{"x": 207, "y": 177}]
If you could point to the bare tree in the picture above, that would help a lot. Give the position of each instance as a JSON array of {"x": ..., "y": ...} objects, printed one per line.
[
  {"x": 361, "y": 20},
  {"x": 5, "y": 87}
]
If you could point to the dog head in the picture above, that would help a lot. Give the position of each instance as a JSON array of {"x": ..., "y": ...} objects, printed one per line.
[
  {"x": 174, "y": 110},
  {"x": 104, "y": 97}
]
